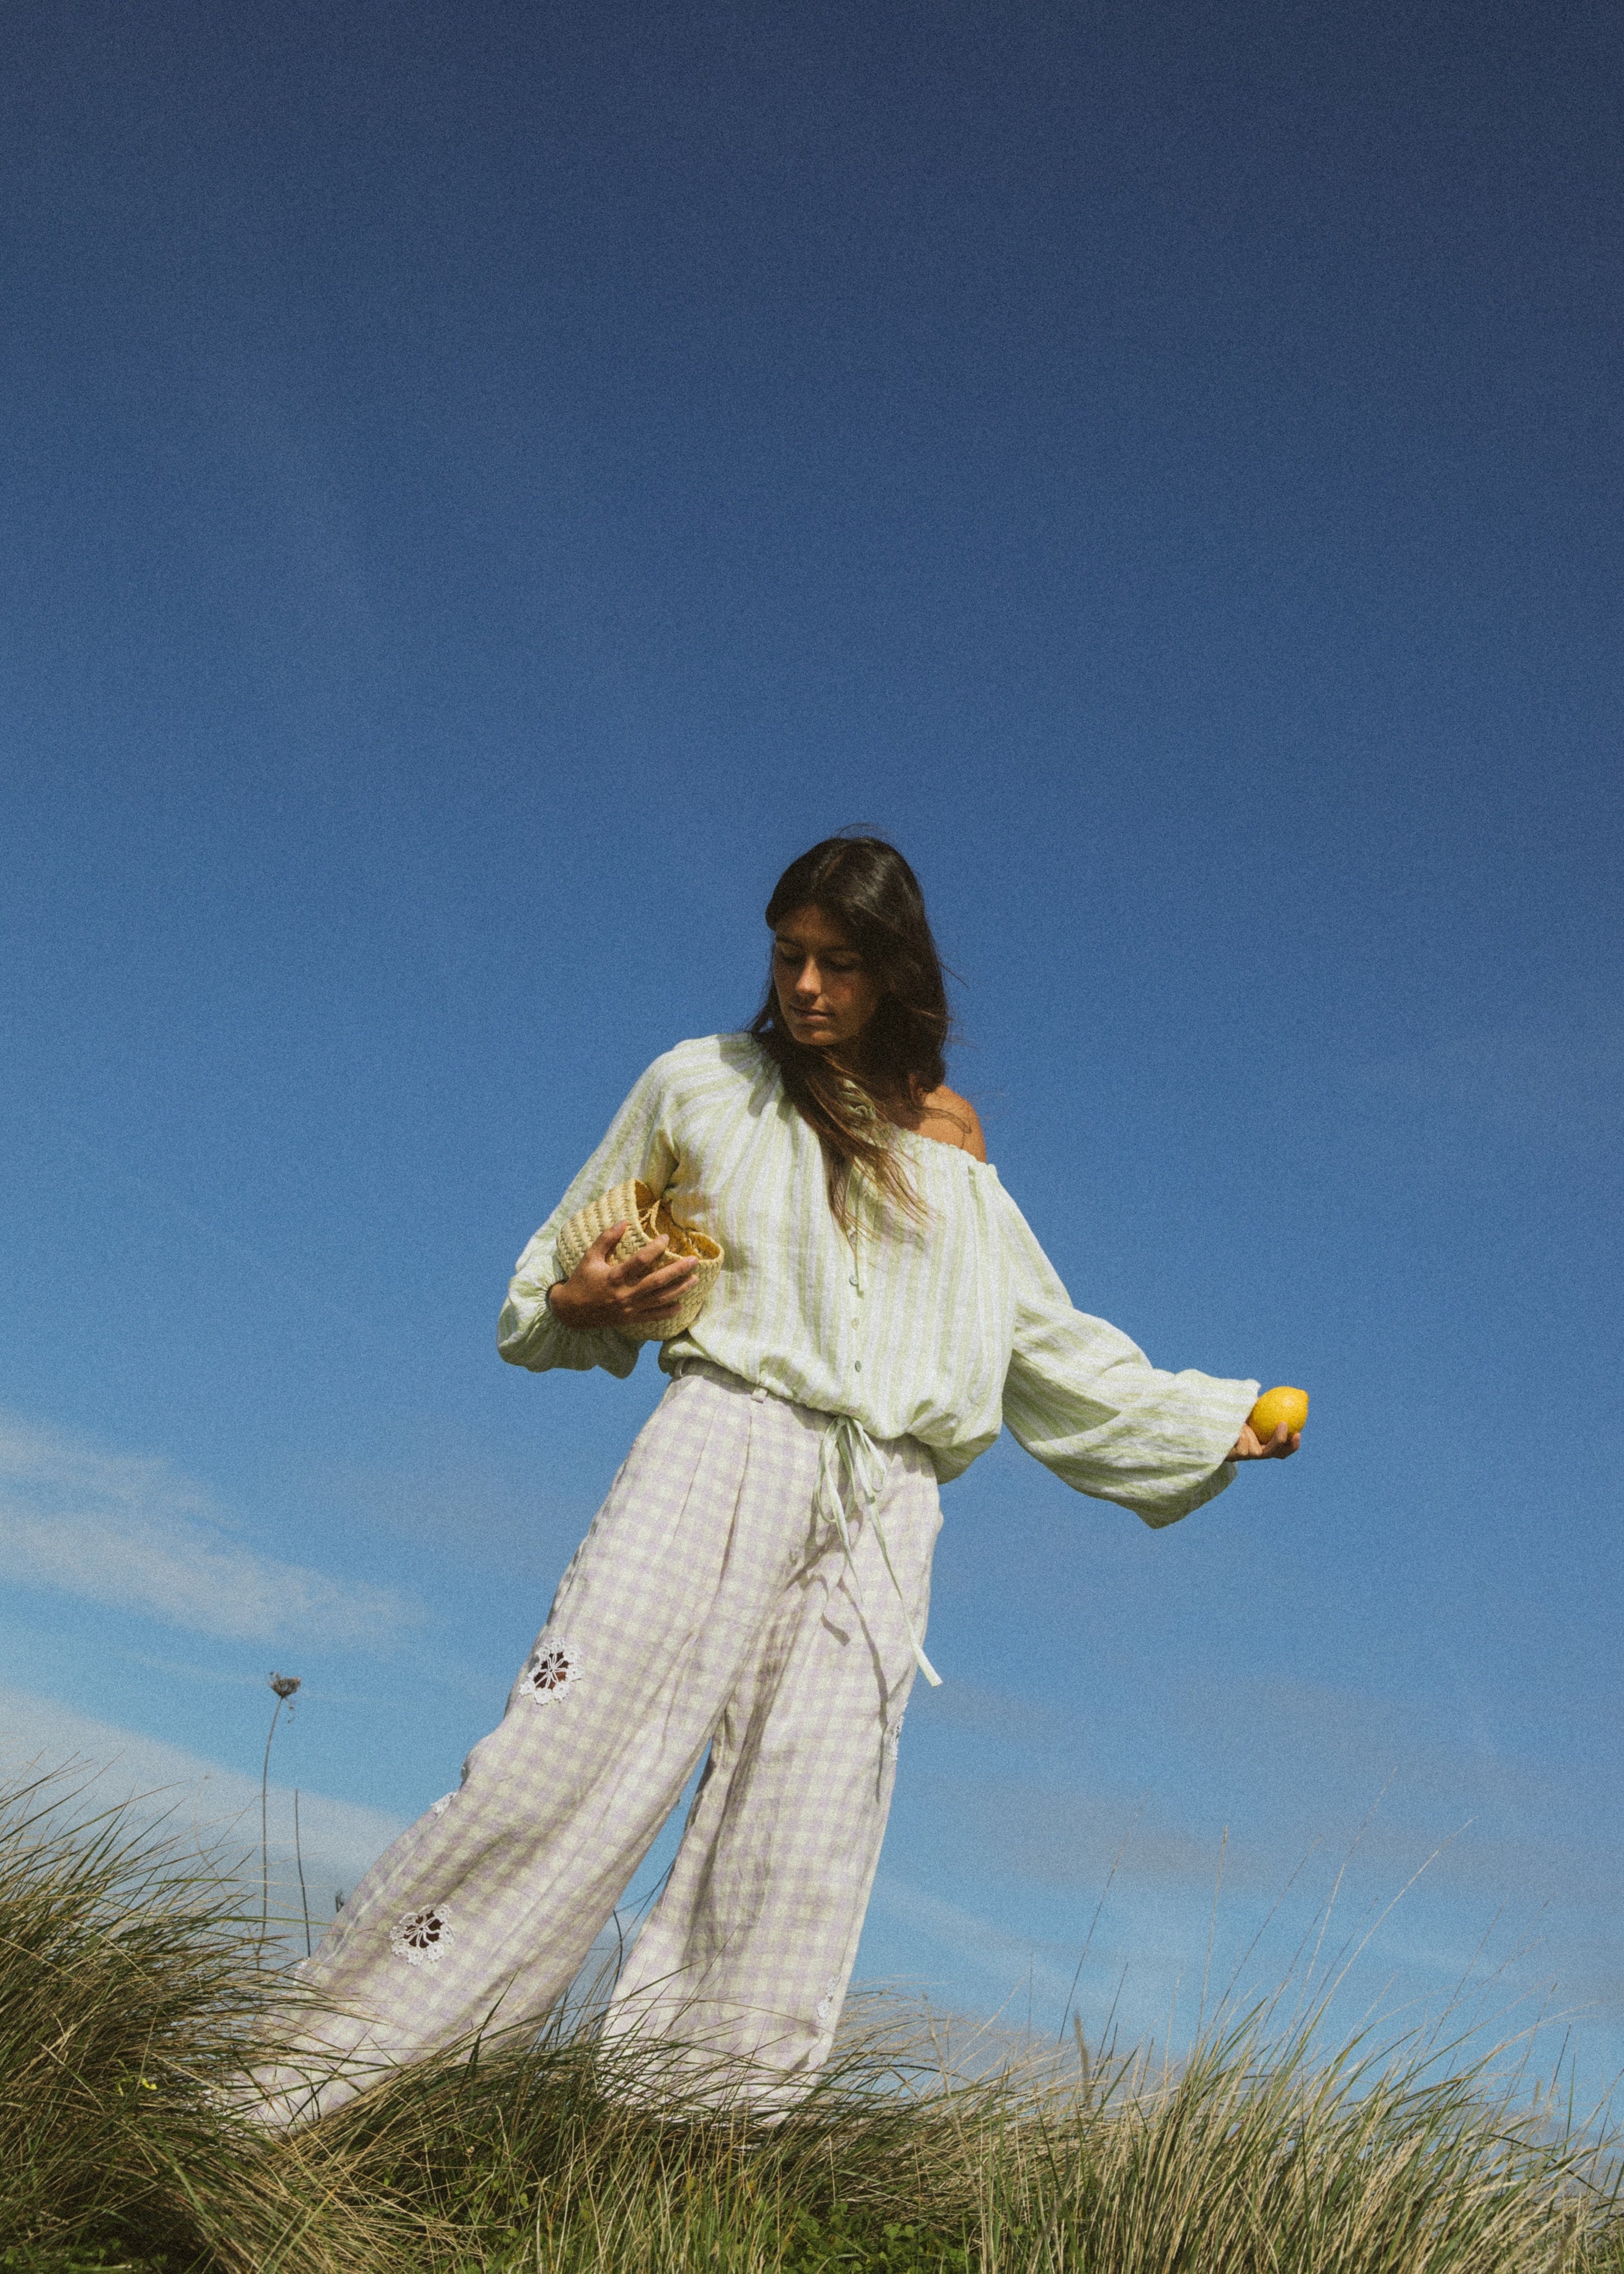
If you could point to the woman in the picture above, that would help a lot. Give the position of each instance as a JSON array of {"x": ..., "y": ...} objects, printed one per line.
[{"x": 755, "y": 1585}]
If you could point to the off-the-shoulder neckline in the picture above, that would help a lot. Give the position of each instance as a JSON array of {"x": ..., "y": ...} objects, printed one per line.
[
  {"x": 915, "y": 1136},
  {"x": 937, "y": 1144}
]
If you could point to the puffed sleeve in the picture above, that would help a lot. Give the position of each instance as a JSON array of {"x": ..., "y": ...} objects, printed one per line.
[
  {"x": 640, "y": 1143},
  {"x": 1087, "y": 1403}
]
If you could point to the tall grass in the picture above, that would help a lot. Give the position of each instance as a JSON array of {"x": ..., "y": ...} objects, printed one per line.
[
  {"x": 129, "y": 1992},
  {"x": 129, "y": 1988}
]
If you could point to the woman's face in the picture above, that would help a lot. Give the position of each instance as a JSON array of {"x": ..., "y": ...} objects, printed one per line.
[{"x": 825, "y": 993}]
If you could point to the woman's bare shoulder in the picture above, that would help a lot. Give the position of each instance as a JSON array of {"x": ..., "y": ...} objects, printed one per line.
[{"x": 951, "y": 1120}]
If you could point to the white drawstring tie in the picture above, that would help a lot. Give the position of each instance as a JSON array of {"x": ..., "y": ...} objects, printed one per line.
[{"x": 846, "y": 1441}]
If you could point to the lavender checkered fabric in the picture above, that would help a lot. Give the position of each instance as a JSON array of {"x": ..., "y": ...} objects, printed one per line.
[{"x": 712, "y": 1603}]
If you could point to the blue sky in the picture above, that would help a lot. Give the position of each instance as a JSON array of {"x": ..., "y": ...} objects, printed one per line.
[{"x": 483, "y": 488}]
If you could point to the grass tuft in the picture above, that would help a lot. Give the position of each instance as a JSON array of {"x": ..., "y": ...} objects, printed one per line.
[{"x": 129, "y": 1992}]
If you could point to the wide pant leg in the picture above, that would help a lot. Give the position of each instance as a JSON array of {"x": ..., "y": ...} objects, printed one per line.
[
  {"x": 689, "y": 1591},
  {"x": 747, "y": 1956}
]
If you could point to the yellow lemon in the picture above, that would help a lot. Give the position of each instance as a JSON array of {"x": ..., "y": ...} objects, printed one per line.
[{"x": 1275, "y": 1406}]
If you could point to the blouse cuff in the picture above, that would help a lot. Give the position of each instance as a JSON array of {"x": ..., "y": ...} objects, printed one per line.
[{"x": 530, "y": 1334}]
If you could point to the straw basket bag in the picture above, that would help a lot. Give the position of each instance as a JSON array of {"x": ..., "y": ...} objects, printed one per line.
[{"x": 645, "y": 1216}]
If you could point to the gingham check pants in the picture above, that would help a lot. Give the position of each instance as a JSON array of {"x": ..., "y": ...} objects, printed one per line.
[{"x": 710, "y": 1604}]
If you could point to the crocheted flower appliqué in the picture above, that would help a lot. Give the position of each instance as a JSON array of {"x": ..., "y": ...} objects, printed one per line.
[
  {"x": 552, "y": 1672},
  {"x": 421, "y": 1937},
  {"x": 442, "y": 1803},
  {"x": 825, "y": 2009},
  {"x": 893, "y": 1737}
]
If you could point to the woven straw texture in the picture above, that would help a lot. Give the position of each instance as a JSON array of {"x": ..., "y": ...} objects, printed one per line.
[{"x": 646, "y": 1217}]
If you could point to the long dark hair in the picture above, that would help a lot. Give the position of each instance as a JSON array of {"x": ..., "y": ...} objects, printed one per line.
[{"x": 864, "y": 885}]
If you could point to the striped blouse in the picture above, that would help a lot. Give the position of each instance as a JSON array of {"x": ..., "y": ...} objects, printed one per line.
[{"x": 941, "y": 1331}]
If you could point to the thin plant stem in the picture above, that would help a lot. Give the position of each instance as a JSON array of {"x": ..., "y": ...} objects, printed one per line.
[
  {"x": 283, "y": 1686},
  {"x": 299, "y": 1857},
  {"x": 265, "y": 1834}
]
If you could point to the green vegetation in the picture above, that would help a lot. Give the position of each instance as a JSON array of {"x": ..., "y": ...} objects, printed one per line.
[{"x": 127, "y": 1991}]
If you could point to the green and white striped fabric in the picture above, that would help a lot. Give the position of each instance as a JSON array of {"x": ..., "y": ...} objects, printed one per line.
[{"x": 941, "y": 1331}]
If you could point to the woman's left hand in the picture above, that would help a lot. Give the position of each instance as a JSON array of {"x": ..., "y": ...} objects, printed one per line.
[{"x": 1249, "y": 1447}]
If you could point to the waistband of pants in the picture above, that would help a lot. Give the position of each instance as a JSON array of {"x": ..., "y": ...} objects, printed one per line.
[
  {"x": 679, "y": 1368},
  {"x": 844, "y": 1446},
  {"x": 739, "y": 1386}
]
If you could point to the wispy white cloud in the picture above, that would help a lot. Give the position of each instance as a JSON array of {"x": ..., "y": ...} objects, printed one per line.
[
  {"x": 200, "y": 1802},
  {"x": 455, "y": 1495},
  {"x": 1374, "y": 1778},
  {"x": 989, "y": 1947},
  {"x": 1439, "y": 1861},
  {"x": 128, "y": 1530}
]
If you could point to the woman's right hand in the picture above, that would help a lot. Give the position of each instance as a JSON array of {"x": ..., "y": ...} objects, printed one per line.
[{"x": 601, "y": 1292}]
